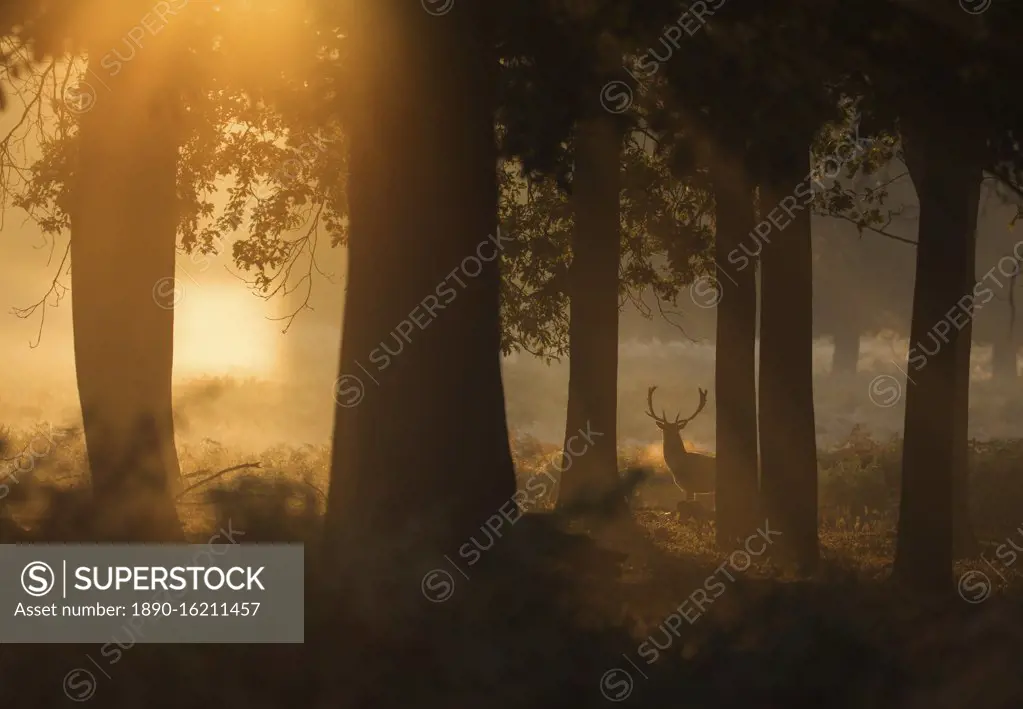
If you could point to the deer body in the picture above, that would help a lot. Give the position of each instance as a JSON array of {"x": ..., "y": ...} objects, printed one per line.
[{"x": 693, "y": 473}]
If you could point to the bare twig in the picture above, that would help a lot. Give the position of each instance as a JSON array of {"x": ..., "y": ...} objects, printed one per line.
[
  {"x": 57, "y": 289},
  {"x": 216, "y": 475},
  {"x": 279, "y": 281},
  {"x": 876, "y": 230},
  {"x": 664, "y": 314}
]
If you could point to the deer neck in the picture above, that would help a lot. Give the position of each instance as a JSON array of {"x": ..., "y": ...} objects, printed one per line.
[{"x": 673, "y": 445}]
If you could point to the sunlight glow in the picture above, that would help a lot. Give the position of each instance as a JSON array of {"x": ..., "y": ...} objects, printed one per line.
[{"x": 222, "y": 329}]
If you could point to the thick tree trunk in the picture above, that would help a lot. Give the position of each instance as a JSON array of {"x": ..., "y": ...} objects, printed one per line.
[
  {"x": 737, "y": 490},
  {"x": 788, "y": 446},
  {"x": 590, "y": 462},
  {"x": 946, "y": 172},
  {"x": 421, "y": 459},
  {"x": 123, "y": 231},
  {"x": 964, "y": 542},
  {"x": 846, "y": 358}
]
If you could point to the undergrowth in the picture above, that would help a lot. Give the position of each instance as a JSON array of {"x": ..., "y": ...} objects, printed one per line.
[{"x": 555, "y": 617}]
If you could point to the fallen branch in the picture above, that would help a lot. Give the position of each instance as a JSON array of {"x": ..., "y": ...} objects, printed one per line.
[{"x": 216, "y": 475}]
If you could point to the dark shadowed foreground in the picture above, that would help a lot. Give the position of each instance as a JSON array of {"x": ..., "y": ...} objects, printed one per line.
[{"x": 555, "y": 613}]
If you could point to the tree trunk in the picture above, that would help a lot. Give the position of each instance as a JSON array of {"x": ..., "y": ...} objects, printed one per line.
[
  {"x": 964, "y": 542},
  {"x": 788, "y": 446},
  {"x": 846, "y": 358},
  {"x": 735, "y": 389},
  {"x": 590, "y": 463},
  {"x": 946, "y": 172},
  {"x": 420, "y": 458},
  {"x": 123, "y": 239}
]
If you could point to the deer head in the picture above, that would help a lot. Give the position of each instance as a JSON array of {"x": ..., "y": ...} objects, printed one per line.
[{"x": 672, "y": 429}]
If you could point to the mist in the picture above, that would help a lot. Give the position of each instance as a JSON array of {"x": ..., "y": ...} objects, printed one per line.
[{"x": 254, "y": 372}]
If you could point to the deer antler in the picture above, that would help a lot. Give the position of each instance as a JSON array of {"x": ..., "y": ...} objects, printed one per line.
[
  {"x": 650, "y": 407},
  {"x": 703, "y": 403}
]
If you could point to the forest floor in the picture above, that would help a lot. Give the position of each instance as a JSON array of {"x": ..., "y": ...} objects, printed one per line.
[{"x": 643, "y": 612}]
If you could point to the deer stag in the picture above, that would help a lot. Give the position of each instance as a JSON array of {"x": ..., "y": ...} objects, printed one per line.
[{"x": 693, "y": 473}]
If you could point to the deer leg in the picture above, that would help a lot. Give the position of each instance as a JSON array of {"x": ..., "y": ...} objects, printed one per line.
[{"x": 685, "y": 495}]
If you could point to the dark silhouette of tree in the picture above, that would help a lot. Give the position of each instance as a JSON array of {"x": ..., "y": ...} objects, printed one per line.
[
  {"x": 131, "y": 159},
  {"x": 115, "y": 187},
  {"x": 125, "y": 187},
  {"x": 950, "y": 133},
  {"x": 734, "y": 373},
  {"x": 924, "y": 553},
  {"x": 423, "y": 459},
  {"x": 788, "y": 445},
  {"x": 590, "y": 475}
]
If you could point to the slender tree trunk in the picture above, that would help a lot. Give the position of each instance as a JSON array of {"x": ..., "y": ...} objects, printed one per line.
[
  {"x": 945, "y": 169},
  {"x": 737, "y": 490},
  {"x": 788, "y": 446},
  {"x": 421, "y": 458},
  {"x": 123, "y": 231},
  {"x": 590, "y": 462},
  {"x": 846, "y": 337},
  {"x": 964, "y": 542}
]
